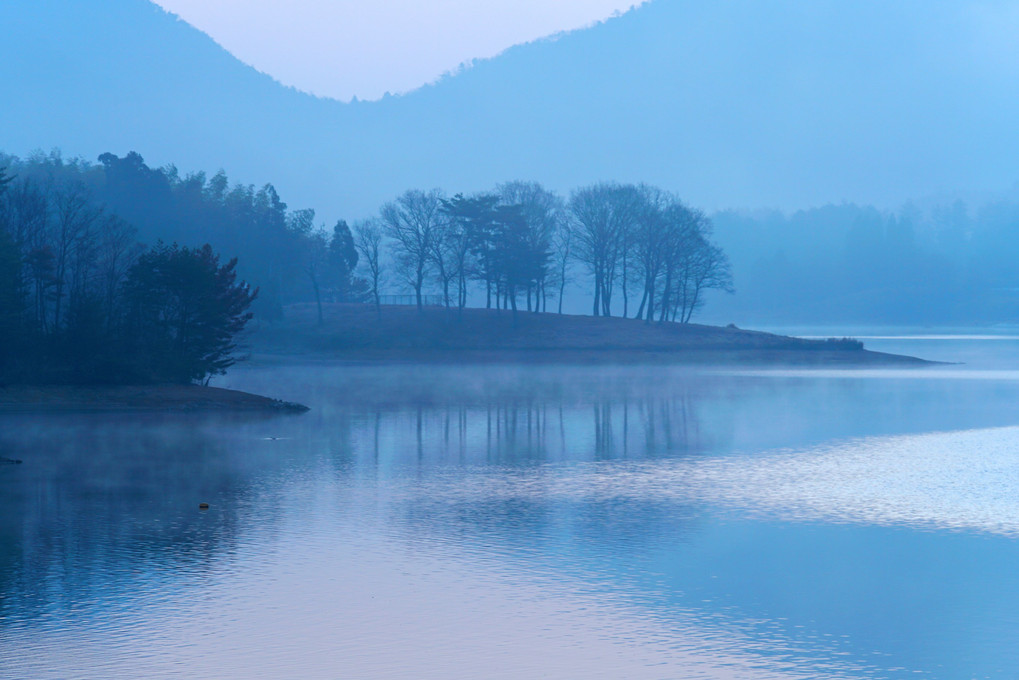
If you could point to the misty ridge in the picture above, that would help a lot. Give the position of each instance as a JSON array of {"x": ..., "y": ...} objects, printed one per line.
[{"x": 733, "y": 105}]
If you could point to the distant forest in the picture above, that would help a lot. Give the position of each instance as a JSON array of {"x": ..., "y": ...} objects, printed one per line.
[{"x": 948, "y": 262}]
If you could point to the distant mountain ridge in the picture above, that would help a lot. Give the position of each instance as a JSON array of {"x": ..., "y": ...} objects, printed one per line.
[{"x": 731, "y": 104}]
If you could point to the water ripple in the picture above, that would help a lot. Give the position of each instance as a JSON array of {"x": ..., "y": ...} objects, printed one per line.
[{"x": 950, "y": 480}]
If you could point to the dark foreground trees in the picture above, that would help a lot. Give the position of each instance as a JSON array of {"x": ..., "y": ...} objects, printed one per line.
[
  {"x": 283, "y": 251},
  {"x": 82, "y": 302},
  {"x": 174, "y": 317},
  {"x": 184, "y": 311}
]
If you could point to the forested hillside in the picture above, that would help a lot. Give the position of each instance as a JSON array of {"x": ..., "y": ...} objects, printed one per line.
[{"x": 739, "y": 104}]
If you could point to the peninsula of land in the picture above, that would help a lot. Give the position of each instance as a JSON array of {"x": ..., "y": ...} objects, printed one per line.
[{"x": 362, "y": 333}]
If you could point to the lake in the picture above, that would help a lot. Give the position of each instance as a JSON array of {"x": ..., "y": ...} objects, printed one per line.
[{"x": 529, "y": 522}]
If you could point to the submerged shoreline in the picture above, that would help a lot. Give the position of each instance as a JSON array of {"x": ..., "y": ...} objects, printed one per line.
[{"x": 143, "y": 398}]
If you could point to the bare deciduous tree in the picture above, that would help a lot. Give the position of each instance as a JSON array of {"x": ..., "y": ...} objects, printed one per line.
[
  {"x": 74, "y": 216},
  {"x": 118, "y": 251},
  {"x": 649, "y": 243},
  {"x": 368, "y": 241},
  {"x": 603, "y": 215},
  {"x": 411, "y": 221},
  {"x": 705, "y": 267},
  {"x": 542, "y": 212},
  {"x": 443, "y": 254}
]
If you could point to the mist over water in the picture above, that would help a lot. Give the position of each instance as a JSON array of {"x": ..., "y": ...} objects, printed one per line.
[
  {"x": 528, "y": 521},
  {"x": 683, "y": 173}
]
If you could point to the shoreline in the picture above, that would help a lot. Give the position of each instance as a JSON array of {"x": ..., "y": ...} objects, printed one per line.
[
  {"x": 138, "y": 398},
  {"x": 748, "y": 358},
  {"x": 356, "y": 333}
]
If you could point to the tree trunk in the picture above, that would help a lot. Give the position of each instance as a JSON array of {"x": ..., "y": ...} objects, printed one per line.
[
  {"x": 643, "y": 303},
  {"x": 606, "y": 295},
  {"x": 693, "y": 303},
  {"x": 626, "y": 297},
  {"x": 511, "y": 295},
  {"x": 666, "y": 296},
  {"x": 318, "y": 300}
]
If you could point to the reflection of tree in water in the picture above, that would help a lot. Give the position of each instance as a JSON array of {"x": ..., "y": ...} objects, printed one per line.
[
  {"x": 528, "y": 430},
  {"x": 647, "y": 428},
  {"x": 611, "y": 537},
  {"x": 510, "y": 435},
  {"x": 522, "y": 440}
]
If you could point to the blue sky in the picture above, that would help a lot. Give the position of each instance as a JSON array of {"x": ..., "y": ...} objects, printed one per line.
[{"x": 348, "y": 48}]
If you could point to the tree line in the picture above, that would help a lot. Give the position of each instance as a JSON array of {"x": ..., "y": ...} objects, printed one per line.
[
  {"x": 90, "y": 291},
  {"x": 280, "y": 249},
  {"x": 82, "y": 301},
  {"x": 522, "y": 244},
  {"x": 635, "y": 250}
]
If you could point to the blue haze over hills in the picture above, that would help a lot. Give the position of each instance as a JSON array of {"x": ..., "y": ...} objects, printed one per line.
[
  {"x": 735, "y": 104},
  {"x": 731, "y": 104}
]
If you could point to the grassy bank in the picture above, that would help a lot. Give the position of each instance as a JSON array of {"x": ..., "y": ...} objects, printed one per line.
[{"x": 402, "y": 333}]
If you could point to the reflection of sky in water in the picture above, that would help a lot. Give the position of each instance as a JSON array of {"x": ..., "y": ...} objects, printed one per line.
[
  {"x": 573, "y": 522},
  {"x": 958, "y": 480}
]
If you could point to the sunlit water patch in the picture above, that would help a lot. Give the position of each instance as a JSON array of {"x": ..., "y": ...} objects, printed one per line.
[{"x": 954, "y": 480}]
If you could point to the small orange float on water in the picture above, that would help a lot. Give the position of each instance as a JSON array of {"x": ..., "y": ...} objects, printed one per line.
[{"x": 203, "y": 506}]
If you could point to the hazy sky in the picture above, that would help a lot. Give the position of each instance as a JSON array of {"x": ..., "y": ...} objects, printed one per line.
[{"x": 347, "y": 48}]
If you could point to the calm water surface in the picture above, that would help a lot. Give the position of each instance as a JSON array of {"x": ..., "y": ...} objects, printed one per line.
[{"x": 529, "y": 522}]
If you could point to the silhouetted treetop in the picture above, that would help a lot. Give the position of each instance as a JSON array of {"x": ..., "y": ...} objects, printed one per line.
[{"x": 185, "y": 311}]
